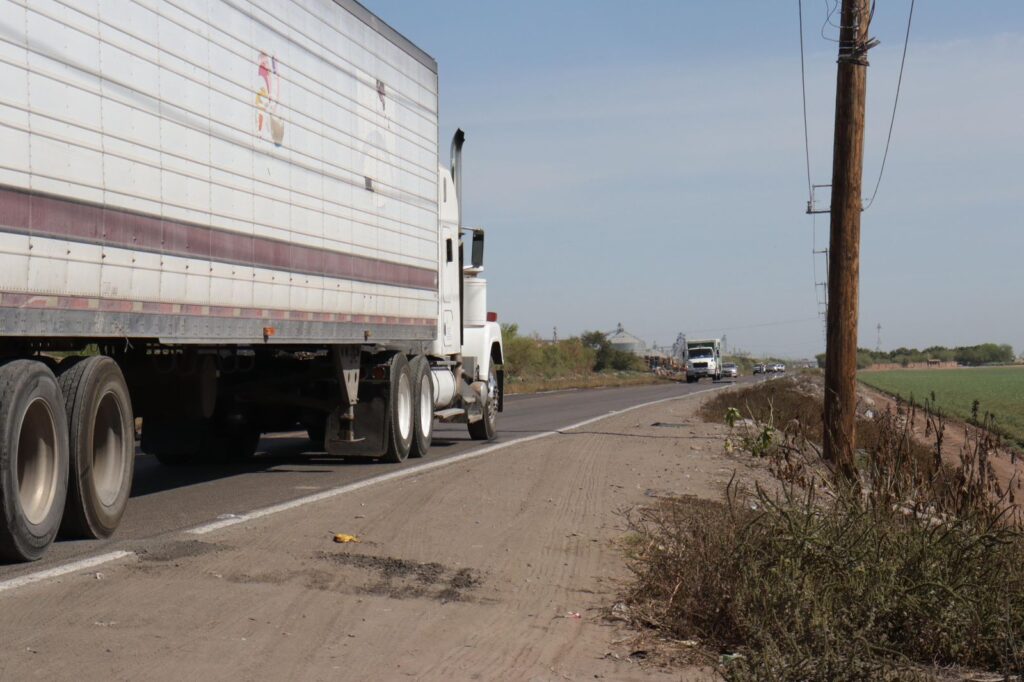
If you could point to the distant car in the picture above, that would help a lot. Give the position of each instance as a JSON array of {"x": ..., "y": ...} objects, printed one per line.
[
  {"x": 729, "y": 369},
  {"x": 759, "y": 369},
  {"x": 777, "y": 367}
]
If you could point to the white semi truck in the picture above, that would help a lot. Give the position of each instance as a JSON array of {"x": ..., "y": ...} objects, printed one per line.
[
  {"x": 703, "y": 359},
  {"x": 225, "y": 218}
]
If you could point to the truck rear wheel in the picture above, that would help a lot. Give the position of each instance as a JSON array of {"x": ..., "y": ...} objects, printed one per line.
[
  {"x": 33, "y": 459},
  {"x": 487, "y": 428},
  {"x": 398, "y": 424},
  {"x": 101, "y": 435},
  {"x": 316, "y": 430},
  {"x": 184, "y": 441},
  {"x": 423, "y": 387}
]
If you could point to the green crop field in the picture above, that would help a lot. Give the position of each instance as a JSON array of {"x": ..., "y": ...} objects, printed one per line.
[{"x": 999, "y": 390}]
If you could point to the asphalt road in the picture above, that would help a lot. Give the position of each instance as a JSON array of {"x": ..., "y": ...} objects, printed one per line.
[{"x": 166, "y": 500}]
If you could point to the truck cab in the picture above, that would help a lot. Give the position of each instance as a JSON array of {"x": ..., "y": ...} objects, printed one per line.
[{"x": 703, "y": 359}]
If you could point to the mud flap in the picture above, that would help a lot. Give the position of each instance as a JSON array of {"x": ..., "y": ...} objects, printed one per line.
[{"x": 370, "y": 418}]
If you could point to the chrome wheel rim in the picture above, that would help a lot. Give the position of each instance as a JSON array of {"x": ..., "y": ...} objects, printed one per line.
[
  {"x": 37, "y": 462},
  {"x": 108, "y": 450},
  {"x": 426, "y": 407},
  {"x": 404, "y": 416},
  {"x": 492, "y": 396}
]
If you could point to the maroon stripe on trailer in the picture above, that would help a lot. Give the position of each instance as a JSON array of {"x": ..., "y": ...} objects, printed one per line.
[
  {"x": 338, "y": 265},
  {"x": 231, "y": 246},
  {"x": 30, "y": 213},
  {"x": 63, "y": 219},
  {"x": 306, "y": 259},
  {"x": 15, "y": 209}
]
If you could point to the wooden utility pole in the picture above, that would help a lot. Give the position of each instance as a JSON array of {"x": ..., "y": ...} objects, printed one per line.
[{"x": 844, "y": 247}]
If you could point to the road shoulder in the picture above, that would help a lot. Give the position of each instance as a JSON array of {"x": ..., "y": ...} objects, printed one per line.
[{"x": 494, "y": 568}]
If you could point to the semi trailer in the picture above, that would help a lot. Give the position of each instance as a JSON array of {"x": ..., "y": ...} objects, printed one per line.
[{"x": 218, "y": 220}]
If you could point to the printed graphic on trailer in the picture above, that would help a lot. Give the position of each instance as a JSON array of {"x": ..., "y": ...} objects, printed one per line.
[{"x": 269, "y": 126}]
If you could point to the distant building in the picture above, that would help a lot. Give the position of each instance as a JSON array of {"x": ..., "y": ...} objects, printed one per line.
[
  {"x": 622, "y": 340},
  {"x": 655, "y": 357}
]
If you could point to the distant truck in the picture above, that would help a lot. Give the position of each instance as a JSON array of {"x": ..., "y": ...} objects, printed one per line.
[
  {"x": 227, "y": 219},
  {"x": 703, "y": 359}
]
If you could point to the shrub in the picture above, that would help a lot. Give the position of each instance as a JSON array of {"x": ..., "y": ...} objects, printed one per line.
[
  {"x": 915, "y": 565},
  {"x": 527, "y": 357}
]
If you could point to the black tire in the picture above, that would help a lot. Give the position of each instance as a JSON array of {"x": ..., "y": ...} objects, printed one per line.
[
  {"x": 317, "y": 432},
  {"x": 398, "y": 423},
  {"x": 193, "y": 442},
  {"x": 171, "y": 441},
  {"x": 237, "y": 442},
  {"x": 101, "y": 436},
  {"x": 487, "y": 428},
  {"x": 175, "y": 459},
  {"x": 423, "y": 406},
  {"x": 34, "y": 430}
]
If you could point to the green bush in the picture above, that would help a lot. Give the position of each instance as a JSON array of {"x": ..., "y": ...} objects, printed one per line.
[
  {"x": 608, "y": 357},
  {"x": 528, "y": 357}
]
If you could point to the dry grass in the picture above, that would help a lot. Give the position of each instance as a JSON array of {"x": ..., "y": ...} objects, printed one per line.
[
  {"x": 914, "y": 570},
  {"x": 589, "y": 380}
]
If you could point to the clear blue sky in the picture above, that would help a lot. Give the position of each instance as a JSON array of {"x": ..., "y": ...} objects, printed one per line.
[{"x": 642, "y": 162}]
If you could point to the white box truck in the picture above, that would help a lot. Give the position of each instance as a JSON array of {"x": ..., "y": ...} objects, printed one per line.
[
  {"x": 225, "y": 218},
  {"x": 703, "y": 359}
]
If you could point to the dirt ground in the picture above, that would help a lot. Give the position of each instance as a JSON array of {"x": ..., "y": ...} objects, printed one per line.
[{"x": 492, "y": 569}]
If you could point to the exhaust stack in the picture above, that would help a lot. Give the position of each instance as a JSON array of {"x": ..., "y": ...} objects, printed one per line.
[{"x": 456, "y": 156}]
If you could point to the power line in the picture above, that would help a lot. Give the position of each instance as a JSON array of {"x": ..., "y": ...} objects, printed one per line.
[
  {"x": 803, "y": 92},
  {"x": 828, "y": 20},
  {"x": 753, "y": 326},
  {"x": 896, "y": 101},
  {"x": 807, "y": 151}
]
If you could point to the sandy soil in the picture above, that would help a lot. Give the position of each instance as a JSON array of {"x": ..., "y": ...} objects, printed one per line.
[{"x": 471, "y": 572}]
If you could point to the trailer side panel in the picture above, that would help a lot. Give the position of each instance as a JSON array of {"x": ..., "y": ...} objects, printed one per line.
[{"x": 204, "y": 172}]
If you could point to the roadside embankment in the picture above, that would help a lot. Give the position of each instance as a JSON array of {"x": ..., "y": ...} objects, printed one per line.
[{"x": 908, "y": 568}]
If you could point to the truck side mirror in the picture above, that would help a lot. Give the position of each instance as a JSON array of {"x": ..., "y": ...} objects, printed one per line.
[{"x": 477, "y": 255}]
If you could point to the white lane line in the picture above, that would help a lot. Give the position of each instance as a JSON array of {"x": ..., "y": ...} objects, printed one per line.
[
  {"x": 100, "y": 559},
  {"x": 234, "y": 520},
  {"x": 63, "y": 569}
]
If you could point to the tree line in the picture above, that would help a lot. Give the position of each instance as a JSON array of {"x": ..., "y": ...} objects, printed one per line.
[
  {"x": 981, "y": 354},
  {"x": 530, "y": 357}
]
